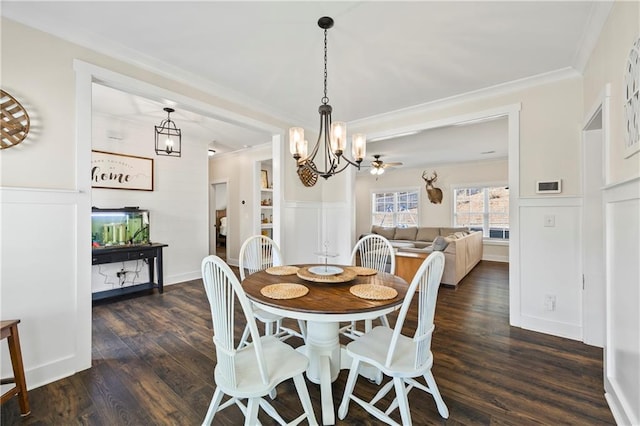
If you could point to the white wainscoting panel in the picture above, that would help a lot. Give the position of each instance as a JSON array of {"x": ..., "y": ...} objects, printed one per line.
[
  {"x": 41, "y": 282},
  {"x": 550, "y": 266},
  {"x": 301, "y": 231},
  {"x": 622, "y": 347}
]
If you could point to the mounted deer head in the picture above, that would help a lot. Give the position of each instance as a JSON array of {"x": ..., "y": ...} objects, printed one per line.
[{"x": 434, "y": 194}]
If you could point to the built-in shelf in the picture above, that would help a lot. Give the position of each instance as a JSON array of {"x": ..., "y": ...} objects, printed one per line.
[{"x": 266, "y": 210}]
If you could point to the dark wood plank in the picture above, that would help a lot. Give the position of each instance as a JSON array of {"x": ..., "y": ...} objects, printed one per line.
[{"x": 154, "y": 358}]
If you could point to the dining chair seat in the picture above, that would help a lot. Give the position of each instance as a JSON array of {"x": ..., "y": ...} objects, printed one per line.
[{"x": 273, "y": 354}]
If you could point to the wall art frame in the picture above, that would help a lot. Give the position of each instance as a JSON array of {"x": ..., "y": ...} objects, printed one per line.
[
  {"x": 632, "y": 101},
  {"x": 110, "y": 170}
]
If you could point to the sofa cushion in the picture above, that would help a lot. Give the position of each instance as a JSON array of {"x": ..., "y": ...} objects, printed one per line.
[
  {"x": 384, "y": 232},
  {"x": 406, "y": 233},
  {"x": 448, "y": 231},
  {"x": 427, "y": 234},
  {"x": 440, "y": 243}
]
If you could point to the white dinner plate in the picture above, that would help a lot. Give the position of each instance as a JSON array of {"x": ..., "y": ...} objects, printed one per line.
[{"x": 326, "y": 270}]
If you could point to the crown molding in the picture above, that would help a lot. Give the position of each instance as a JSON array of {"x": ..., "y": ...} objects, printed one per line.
[
  {"x": 476, "y": 95},
  {"x": 597, "y": 18}
]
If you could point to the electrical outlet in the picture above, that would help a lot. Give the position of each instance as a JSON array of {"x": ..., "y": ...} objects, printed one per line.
[
  {"x": 549, "y": 220},
  {"x": 549, "y": 302}
]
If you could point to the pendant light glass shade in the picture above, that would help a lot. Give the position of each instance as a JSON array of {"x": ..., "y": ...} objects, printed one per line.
[{"x": 168, "y": 138}]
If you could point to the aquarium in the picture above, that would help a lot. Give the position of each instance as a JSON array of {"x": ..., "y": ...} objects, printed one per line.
[{"x": 119, "y": 227}]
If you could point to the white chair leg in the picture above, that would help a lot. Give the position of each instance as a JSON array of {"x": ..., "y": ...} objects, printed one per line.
[
  {"x": 245, "y": 336},
  {"x": 251, "y": 417},
  {"x": 385, "y": 321},
  {"x": 305, "y": 400},
  {"x": 348, "y": 389},
  {"x": 403, "y": 403},
  {"x": 368, "y": 325},
  {"x": 213, "y": 407},
  {"x": 431, "y": 382},
  {"x": 303, "y": 329},
  {"x": 268, "y": 328}
]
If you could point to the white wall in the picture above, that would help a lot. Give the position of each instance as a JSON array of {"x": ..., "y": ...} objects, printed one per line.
[{"x": 178, "y": 205}]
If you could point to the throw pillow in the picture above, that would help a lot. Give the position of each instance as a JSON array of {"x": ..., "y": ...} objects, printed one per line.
[
  {"x": 440, "y": 244},
  {"x": 406, "y": 233}
]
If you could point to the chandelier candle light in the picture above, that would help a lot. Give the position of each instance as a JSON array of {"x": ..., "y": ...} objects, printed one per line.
[
  {"x": 168, "y": 137},
  {"x": 333, "y": 135}
]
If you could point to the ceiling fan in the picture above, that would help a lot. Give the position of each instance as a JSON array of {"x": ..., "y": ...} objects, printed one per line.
[{"x": 378, "y": 166}]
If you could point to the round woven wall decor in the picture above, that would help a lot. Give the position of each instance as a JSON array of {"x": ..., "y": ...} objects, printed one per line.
[
  {"x": 307, "y": 177},
  {"x": 15, "y": 121}
]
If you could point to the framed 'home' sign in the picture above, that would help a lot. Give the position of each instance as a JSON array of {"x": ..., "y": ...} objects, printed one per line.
[{"x": 120, "y": 171}]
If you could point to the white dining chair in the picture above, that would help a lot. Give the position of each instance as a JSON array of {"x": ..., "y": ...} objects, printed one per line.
[
  {"x": 375, "y": 252},
  {"x": 400, "y": 357},
  {"x": 260, "y": 252},
  {"x": 253, "y": 371}
]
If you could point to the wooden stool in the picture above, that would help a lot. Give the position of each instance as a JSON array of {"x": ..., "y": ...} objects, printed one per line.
[{"x": 10, "y": 332}]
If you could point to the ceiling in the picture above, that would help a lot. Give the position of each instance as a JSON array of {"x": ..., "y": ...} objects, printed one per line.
[{"x": 268, "y": 56}]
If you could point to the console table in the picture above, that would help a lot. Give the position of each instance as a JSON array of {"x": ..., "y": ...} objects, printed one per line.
[{"x": 150, "y": 252}]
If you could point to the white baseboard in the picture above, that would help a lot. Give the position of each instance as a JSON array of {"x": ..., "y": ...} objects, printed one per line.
[
  {"x": 555, "y": 328},
  {"x": 495, "y": 258}
]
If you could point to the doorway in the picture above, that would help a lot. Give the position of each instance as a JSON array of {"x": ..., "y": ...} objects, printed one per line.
[
  {"x": 219, "y": 221},
  {"x": 593, "y": 245}
]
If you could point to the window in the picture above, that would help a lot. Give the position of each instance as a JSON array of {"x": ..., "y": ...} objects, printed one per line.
[
  {"x": 398, "y": 208},
  {"x": 484, "y": 209}
]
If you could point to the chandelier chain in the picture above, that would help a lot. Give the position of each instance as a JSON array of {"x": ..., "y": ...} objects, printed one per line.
[{"x": 325, "y": 99}]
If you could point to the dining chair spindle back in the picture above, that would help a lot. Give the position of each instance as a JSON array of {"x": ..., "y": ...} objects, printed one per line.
[
  {"x": 400, "y": 357},
  {"x": 375, "y": 252},
  {"x": 257, "y": 253}
]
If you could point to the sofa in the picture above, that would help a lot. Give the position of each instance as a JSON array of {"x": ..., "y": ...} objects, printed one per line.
[{"x": 462, "y": 253}]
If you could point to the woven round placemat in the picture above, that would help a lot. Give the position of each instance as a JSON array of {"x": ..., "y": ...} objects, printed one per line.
[
  {"x": 284, "y": 291},
  {"x": 361, "y": 270},
  {"x": 373, "y": 292},
  {"x": 282, "y": 270},
  {"x": 347, "y": 274}
]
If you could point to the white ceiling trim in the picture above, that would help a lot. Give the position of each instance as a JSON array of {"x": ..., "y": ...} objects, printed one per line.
[
  {"x": 489, "y": 92},
  {"x": 599, "y": 14},
  {"x": 131, "y": 85}
]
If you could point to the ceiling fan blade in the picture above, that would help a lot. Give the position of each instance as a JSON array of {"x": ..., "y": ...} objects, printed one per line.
[{"x": 388, "y": 165}]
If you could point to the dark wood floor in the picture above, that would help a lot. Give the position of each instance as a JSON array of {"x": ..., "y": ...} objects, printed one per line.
[{"x": 153, "y": 359}]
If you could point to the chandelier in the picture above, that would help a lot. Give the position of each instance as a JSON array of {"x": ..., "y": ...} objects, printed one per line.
[
  {"x": 332, "y": 135},
  {"x": 168, "y": 137}
]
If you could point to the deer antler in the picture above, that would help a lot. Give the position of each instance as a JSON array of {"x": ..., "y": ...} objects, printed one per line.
[
  {"x": 424, "y": 175},
  {"x": 435, "y": 177}
]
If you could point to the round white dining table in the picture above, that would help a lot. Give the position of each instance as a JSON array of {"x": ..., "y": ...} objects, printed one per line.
[{"x": 324, "y": 307}]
